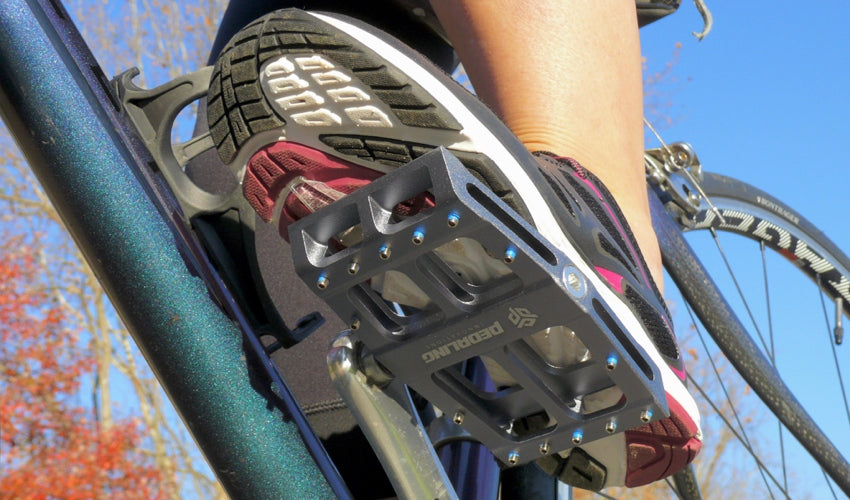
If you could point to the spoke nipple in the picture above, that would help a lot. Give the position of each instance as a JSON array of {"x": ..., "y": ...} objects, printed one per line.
[
  {"x": 454, "y": 219},
  {"x": 355, "y": 323},
  {"x": 611, "y": 426},
  {"x": 513, "y": 458},
  {"x": 544, "y": 448},
  {"x": 418, "y": 236},
  {"x": 458, "y": 417},
  {"x": 611, "y": 362},
  {"x": 353, "y": 268},
  {"x": 577, "y": 437},
  {"x": 322, "y": 282},
  {"x": 646, "y": 416},
  {"x": 510, "y": 254},
  {"x": 384, "y": 252}
]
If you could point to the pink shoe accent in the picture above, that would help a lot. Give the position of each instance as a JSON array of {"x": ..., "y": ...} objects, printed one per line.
[
  {"x": 613, "y": 278},
  {"x": 274, "y": 166},
  {"x": 616, "y": 220},
  {"x": 661, "y": 448},
  {"x": 679, "y": 373}
]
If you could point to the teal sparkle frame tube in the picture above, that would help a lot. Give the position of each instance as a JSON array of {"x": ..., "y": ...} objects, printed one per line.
[{"x": 254, "y": 437}]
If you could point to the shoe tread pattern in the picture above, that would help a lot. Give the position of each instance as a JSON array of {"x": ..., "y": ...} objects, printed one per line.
[{"x": 238, "y": 110}]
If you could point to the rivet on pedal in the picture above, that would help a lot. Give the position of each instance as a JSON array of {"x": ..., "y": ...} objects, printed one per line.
[
  {"x": 577, "y": 437},
  {"x": 353, "y": 268},
  {"x": 510, "y": 254},
  {"x": 544, "y": 448},
  {"x": 646, "y": 416},
  {"x": 418, "y": 236},
  {"x": 454, "y": 219},
  {"x": 384, "y": 252},
  {"x": 574, "y": 281},
  {"x": 513, "y": 457},
  {"x": 611, "y": 362},
  {"x": 611, "y": 426},
  {"x": 322, "y": 282},
  {"x": 458, "y": 417},
  {"x": 355, "y": 323}
]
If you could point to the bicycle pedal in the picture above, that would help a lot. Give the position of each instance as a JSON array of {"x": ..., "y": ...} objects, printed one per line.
[{"x": 531, "y": 404}]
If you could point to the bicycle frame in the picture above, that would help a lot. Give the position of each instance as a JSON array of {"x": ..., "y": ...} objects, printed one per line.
[{"x": 54, "y": 100}]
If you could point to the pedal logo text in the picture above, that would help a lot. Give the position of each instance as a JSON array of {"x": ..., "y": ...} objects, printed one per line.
[
  {"x": 521, "y": 317},
  {"x": 462, "y": 343}
]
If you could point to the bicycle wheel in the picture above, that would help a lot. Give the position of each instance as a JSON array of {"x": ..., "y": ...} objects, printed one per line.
[{"x": 786, "y": 292}]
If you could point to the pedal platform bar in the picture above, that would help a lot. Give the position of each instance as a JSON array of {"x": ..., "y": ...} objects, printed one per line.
[{"x": 525, "y": 406}]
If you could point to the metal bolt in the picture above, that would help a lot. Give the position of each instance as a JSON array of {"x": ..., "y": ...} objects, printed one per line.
[
  {"x": 611, "y": 426},
  {"x": 418, "y": 236},
  {"x": 646, "y": 416},
  {"x": 355, "y": 323},
  {"x": 693, "y": 198},
  {"x": 454, "y": 219},
  {"x": 544, "y": 448},
  {"x": 353, "y": 268},
  {"x": 384, "y": 252},
  {"x": 513, "y": 458},
  {"x": 458, "y": 418},
  {"x": 611, "y": 362},
  {"x": 577, "y": 437},
  {"x": 510, "y": 254},
  {"x": 322, "y": 282},
  {"x": 574, "y": 282}
]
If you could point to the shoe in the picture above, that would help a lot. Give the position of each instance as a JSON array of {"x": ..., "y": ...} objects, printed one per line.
[
  {"x": 658, "y": 449},
  {"x": 310, "y": 107}
]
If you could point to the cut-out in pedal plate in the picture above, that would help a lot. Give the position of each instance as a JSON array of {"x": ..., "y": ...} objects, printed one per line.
[{"x": 510, "y": 325}]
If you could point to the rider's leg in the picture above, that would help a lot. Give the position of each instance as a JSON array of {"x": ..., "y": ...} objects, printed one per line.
[{"x": 565, "y": 76}]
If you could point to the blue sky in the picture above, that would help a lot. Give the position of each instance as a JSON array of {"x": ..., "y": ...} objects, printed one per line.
[{"x": 766, "y": 98}]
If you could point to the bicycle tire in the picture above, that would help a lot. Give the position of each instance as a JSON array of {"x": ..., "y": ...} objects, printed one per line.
[{"x": 758, "y": 216}]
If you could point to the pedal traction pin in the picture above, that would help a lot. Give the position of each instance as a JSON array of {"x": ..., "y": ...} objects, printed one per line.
[
  {"x": 384, "y": 252},
  {"x": 513, "y": 458},
  {"x": 453, "y": 219},
  {"x": 355, "y": 323},
  {"x": 611, "y": 362},
  {"x": 577, "y": 437},
  {"x": 458, "y": 417},
  {"x": 646, "y": 416},
  {"x": 353, "y": 268},
  {"x": 510, "y": 254},
  {"x": 611, "y": 426},
  {"x": 322, "y": 282},
  {"x": 418, "y": 236},
  {"x": 544, "y": 448}
]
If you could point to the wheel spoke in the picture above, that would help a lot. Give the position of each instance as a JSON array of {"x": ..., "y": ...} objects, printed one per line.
[
  {"x": 829, "y": 483},
  {"x": 834, "y": 353},
  {"x": 773, "y": 358},
  {"x": 741, "y": 293},
  {"x": 742, "y": 438}
]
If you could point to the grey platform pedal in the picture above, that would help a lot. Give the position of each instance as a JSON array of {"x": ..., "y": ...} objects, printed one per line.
[{"x": 341, "y": 252}]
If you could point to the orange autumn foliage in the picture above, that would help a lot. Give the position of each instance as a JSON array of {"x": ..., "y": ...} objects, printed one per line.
[{"x": 50, "y": 445}]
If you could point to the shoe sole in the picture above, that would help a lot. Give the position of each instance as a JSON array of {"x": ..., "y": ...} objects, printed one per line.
[{"x": 311, "y": 78}]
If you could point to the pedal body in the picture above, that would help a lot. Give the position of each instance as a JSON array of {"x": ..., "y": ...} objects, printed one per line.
[{"x": 528, "y": 406}]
